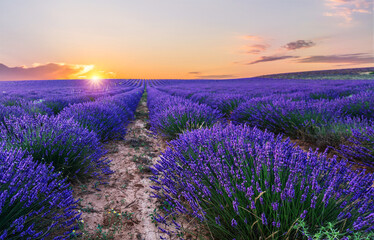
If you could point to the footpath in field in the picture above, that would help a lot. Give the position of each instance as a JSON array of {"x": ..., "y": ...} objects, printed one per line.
[{"x": 122, "y": 208}]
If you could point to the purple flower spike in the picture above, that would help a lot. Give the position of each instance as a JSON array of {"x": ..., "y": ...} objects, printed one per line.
[
  {"x": 234, "y": 223},
  {"x": 38, "y": 200}
]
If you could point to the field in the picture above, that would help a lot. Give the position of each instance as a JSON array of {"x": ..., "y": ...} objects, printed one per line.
[{"x": 257, "y": 158}]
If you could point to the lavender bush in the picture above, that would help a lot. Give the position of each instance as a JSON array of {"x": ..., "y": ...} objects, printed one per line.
[
  {"x": 171, "y": 116},
  {"x": 358, "y": 105},
  {"x": 104, "y": 119},
  {"x": 37, "y": 107},
  {"x": 224, "y": 102},
  {"x": 12, "y": 100},
  {"x": 56, "y": 105},
  {"x": 127, "y": 102},
  {"x": 6, "y": 112},
  {"x": 35, "y": 202},
  {"x": 310, "y": 110},
  {"x": 244, "y": 183},
  {"x": 310, "y": 121},
  {"x": 73, "y": 150},
  {"x": 360, "y": 146}
]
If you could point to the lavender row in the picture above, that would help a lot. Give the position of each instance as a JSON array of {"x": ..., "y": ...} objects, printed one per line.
[
  {"x": 171, "y": 116},
  {"x": 321, "y": 113},
  {"x": 227, "y": 95},
  {"x": 243, "y": 183},
  {"x": 51, "y": 101},
  {"x": 73, "y": 147},
  {"x": 74, "y": 151},
  {"x": 34, "y": 200},
  {"x": 38, "y": 151},
  {"x": 108, "y": 116},
  {"x": 360, "y": 146},
  {"x": 32, "y": 90},
  {"x": 321, "y": 122},
  {"x": 72, "y": 140},
  {"x": 263, "y": 87}
]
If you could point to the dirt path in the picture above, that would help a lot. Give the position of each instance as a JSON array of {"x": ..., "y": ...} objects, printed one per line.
[{"x": 122, "y": 208}]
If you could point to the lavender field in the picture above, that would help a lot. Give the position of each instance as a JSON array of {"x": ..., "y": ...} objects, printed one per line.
[
  {"x": 241, "y": 173},
  {"x": 256, "y": 158},
  {"x": 52, "y": 136}
]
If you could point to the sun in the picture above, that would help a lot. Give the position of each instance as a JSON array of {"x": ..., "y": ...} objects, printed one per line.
[{"x": 95, "y": 81}]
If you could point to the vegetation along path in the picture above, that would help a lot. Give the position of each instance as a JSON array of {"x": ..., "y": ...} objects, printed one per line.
[{"x": 122, "y": 208}]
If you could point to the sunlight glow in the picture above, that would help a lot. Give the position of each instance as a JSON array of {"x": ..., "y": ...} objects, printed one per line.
[{"x": 95, "y": 81}]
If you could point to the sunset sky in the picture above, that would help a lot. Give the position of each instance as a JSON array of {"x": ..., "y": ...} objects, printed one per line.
[{"x": 150, "y": 39}]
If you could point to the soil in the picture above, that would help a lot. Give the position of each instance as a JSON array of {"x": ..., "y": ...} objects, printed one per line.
[{"x": 122, "y": 208}]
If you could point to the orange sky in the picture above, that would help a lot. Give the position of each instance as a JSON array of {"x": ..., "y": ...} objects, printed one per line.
[{"x": 148, "y": 39}]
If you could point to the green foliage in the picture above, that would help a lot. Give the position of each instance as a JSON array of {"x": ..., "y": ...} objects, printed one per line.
[
  {"x": 171, "y": 127},
  {"x": 331, "y": 231},
  {"x": 227, "y": 107}
]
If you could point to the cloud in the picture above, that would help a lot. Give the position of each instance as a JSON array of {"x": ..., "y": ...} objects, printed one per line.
[
  {"x": 346, "y": 8},
  {"x": 299, "y": 44},
  {"x": 271, "y": 58},
  {"x": 51, "y": 71},
  {"x": 257, "y": 48},
  {"x": 194, "y": 73},
  {"x": 354, "y": 58},
  {"x": 258, "y": 44},
  {"x": 201, "y": 75},
  {"x": 217, "y": 76}
]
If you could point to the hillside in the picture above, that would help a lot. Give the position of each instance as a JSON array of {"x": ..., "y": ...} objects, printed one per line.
[{"x": 350, "y": 73}]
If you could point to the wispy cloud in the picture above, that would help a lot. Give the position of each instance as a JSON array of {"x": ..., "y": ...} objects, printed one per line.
[
  {"x": 200, "y": 75},
  {"x": 257, "y": 48},
  {"x": 271, "y": 58},
  {"x": 299, "y": 44},
  {"x": 346, "y": 8},
  {"x": 354, "y": 58},
  {"x": 255, "y": 44},
  {"x": 218, "y": 76},
  {"x": 50, "y": 71},
  {"x": 194, "y": 73}
]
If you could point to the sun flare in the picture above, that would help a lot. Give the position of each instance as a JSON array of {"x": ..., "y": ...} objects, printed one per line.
[{"x": 95, "y": 79}]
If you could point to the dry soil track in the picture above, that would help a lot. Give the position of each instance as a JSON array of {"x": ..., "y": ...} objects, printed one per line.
[{"x": 121, "y": 209}]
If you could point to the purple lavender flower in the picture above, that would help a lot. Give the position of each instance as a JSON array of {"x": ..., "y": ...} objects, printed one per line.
[
  {"x": 73, "y": 150},
  {"x": 105, "y": 120},
  {"x": 263, "y": 219},
  {"x": 302, "y": 216},
  {"x": 171, "y": 116},
  {"x": 360, "y": 146},
  {"x": 217, "y": 220},
  {"x": 234, "y": 223},
  {"x": 232, "y": 161},
  {"x": 38, "y": 200},
  {"x": 235, "y": 205},
  {"x": 275, "y": 205}
]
